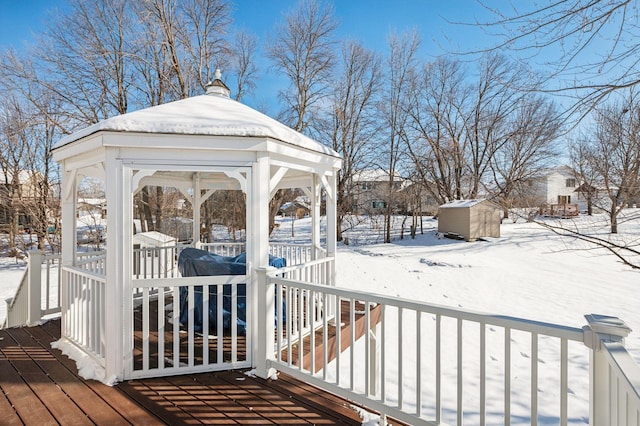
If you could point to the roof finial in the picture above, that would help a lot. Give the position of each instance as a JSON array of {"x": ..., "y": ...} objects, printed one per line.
[{"x": 217, "y": 87}]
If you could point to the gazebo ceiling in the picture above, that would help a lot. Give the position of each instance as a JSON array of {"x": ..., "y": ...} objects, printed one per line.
[{"x": 205, "y": 115}]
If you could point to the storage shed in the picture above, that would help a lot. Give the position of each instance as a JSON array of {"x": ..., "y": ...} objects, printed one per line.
[
  {"x": 470, "y": 219},
  {"x": 153, "y": 239}
]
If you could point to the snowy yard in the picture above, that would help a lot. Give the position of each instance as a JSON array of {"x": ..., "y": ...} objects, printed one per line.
[{"x": 528, "y": 272}]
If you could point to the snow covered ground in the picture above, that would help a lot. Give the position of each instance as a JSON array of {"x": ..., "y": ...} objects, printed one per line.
[
  {"x": 528, "y": 272},
  {"x": 11, "y": 272}
]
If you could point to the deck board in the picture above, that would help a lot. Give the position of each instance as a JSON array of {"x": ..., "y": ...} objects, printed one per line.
[
  {"x": 26, "y": 404},
  {"x": 99, "y": 411},
  {"x": 39, "y": 386}
]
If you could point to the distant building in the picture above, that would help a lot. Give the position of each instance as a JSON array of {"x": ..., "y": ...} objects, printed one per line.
[
  {"x": 555, "y": 186},
  {"x": 26, "y": 186},
  {"x": 559, "y": 186},
  {"x": 418, "y": 200},
  {"x": 371, "y": 192},
  {"x": 95, "y": 207},
  {"x": 299, "y": 207}
]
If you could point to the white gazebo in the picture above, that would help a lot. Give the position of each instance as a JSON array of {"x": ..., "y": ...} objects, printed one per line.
[{"x": 130, "y": 326}]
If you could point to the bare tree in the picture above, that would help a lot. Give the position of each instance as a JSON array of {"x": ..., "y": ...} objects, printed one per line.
[
  {"x": 529, "y": 148},
  {"x": 614, "y": 154},
  {"x": 496, "y": 95},
  {"x": 244, "y": 50},
  {"x": 349, "y": 125},
  {"x": 400, "y": 63},
  {"x": 179, "y": 45},
  {"x": 437, "y": 144},
  {"x": 88, "y": 66},
  {"x": 587, "y": 49},
  {"x": 583, "y": 164},
  {"x": 13, "y": 125},
  {"x": 26, "y": 139},
  {"x": 303, "y": 50}
]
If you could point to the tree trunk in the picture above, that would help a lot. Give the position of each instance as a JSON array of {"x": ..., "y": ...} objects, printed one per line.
[
  {"x": 159, "y": 207},
  {"x": 146, "y": 210}
]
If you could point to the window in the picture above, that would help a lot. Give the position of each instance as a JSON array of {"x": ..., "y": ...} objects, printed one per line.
[
  {"x": 367, "y": 186},
  {"x": 571, "y": 183},
  {"x": 379, "y": 205}
]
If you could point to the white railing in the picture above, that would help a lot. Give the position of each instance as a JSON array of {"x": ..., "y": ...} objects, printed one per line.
[
  {"x": 38, "y": 293},
  {"x": 429, "y": 364},
  {"x": 295, "y": 254},
  {"x": 189, "y": 325},
  {"x": 615, "y": 377},
  {"x": 18, "y": 305},
  {"x": 83, "y": 306},
  {"x": 92, "y": 261},
  {"x": 156, "y": 262},
  {"x": 223, "y": 248},
  {"x": 302, "y": 310}
]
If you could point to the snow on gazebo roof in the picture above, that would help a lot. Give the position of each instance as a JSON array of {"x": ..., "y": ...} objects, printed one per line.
[{"x": 208, "y": 115}]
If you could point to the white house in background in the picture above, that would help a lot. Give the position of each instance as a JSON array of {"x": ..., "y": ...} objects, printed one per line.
[{"x": 558, "y": 186}]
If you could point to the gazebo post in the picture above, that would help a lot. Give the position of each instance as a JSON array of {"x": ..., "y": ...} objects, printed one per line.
[
  {"x": 196, "y": 210},
  {"x": 68, "y": 209},
  {"x": 258, "y": 194},
  {"x": 69, "y": 204},
  {"x": 119, "y": 256},
  {"x": 316, "y": 191},
  {"x": 331, "y": 192}
]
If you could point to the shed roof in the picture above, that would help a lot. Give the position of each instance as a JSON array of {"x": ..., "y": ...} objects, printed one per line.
[
  {"x": 153, "y": 238},
  {"x": 464, "y": 203},
  {"x": 208, "y": 115}
]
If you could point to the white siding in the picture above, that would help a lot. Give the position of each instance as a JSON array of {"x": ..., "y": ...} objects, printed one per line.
[{"x": 557, "y": 186}]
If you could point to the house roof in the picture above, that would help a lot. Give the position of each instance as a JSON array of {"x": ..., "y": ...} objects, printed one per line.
[
  {"x": 376, "y": 175},
  {"x": 211, "y": 115},
  {"x": 563, "y": 170}
]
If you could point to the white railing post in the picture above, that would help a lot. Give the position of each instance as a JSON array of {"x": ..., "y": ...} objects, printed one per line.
[
  {"x": 266, "y": 322},
  {"x": 600, "y": 329},
  {"x": 34, "y": 287},
  {"x": 7, "y": 321}
]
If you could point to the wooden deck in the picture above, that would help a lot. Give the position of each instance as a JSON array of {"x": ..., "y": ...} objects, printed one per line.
[{"x": 40, "y": 386}]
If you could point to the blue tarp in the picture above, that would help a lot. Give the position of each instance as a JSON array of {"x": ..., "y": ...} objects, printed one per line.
[{"x": 197, "y": 263}]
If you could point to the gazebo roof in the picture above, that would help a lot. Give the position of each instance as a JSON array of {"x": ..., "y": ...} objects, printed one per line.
[{"x": 208, "y": 115}]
